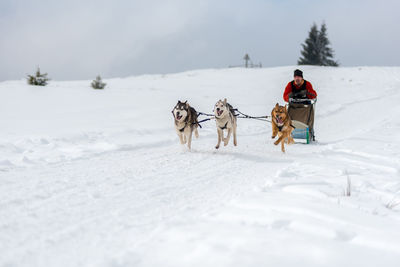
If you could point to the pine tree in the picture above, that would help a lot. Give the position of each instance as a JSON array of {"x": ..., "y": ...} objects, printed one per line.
[
  {"x": 316, "y": 50},
  {"x": 326, "y": 51},
  {"x": 310, "y": 53},
  {"x": 38, "y": 79},
  {"x": 98, "y": 83}
]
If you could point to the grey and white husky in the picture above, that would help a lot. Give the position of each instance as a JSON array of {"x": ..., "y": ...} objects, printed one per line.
[
  {"x": 185, "y": 122},
  {"x": 226, "y": 120}
]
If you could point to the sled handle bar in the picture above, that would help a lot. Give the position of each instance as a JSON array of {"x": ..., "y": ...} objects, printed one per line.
[{"x": 303, "y": 101}]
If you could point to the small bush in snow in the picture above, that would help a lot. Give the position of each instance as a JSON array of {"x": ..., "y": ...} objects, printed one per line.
[
  {"x": 38, "y": 79},
  {"x": 98, "y": 83}
]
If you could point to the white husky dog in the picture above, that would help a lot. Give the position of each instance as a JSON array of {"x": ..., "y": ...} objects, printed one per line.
[{"x": 226, "y": 120}]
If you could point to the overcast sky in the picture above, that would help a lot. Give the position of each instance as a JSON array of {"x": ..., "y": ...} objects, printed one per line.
[{"x": 78, "y": 39}]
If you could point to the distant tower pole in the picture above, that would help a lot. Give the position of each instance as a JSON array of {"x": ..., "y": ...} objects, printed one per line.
[{"x": 246, "y": 58}]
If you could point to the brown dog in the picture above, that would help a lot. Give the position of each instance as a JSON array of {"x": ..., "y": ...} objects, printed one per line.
[{"x": 281, "y": 126}]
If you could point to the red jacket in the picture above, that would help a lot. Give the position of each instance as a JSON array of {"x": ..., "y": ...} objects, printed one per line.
[{"x": 311, "y": 94}]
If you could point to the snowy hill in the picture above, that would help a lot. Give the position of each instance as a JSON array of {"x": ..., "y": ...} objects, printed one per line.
[{"x": 98, "y": 177}]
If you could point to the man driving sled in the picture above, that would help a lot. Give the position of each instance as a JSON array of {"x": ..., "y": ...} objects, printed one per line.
[
  {"x": 299, "y": 88},
  {"x": 299, "y": 93}
]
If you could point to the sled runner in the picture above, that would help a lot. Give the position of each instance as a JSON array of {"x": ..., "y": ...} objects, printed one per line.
[{"x": 301, "y": 112}]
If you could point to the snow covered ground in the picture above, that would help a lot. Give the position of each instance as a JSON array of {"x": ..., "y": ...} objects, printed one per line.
[{"x": 98, "y": 177}]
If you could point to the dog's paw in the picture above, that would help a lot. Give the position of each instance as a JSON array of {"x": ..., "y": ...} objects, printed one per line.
[
  {"x": 226, "y": 141},
  {"x": 217, "y": 146},
  {"x": 276, "y": 143},
  {"x": 272, "y": 137}
]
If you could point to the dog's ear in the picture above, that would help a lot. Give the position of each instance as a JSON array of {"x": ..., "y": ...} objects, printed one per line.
[
  {"x": 277, "y": 105},
  {"x": 187, "y": 105},
  {"x": 286, "y": 108},
  {"x": 225, "y": 101},
  {"x": 185, "y": 102}
]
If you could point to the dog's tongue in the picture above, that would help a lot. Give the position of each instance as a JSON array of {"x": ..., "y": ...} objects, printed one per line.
[
  {"x": 219, "y": 112},
  {"x": 178, "y": 117},
  {"x": 279, "y": 120}
]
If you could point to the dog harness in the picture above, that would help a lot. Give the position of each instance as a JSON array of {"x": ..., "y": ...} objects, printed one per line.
[
  {"x": 281, "y": 127},
  {"x": 231, "y": 112},
  {"x": 181, "y": 130},
  {"x": 223, "y": 128}
]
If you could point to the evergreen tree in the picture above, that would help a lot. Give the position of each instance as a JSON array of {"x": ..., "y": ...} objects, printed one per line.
[
  {"x": 316, "y": 50},
  {"x": 38, "y": 79},
  {"x": 310, "y": 53},
  {"x": 326, "y": 51},
  {"x": 98, "y": 83}
]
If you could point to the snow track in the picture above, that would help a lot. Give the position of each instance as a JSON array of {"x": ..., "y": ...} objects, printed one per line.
[{"x": 97, "y": 178}]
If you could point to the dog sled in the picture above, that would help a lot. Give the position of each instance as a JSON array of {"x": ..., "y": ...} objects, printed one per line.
[{"x": 301, "y": 112}]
